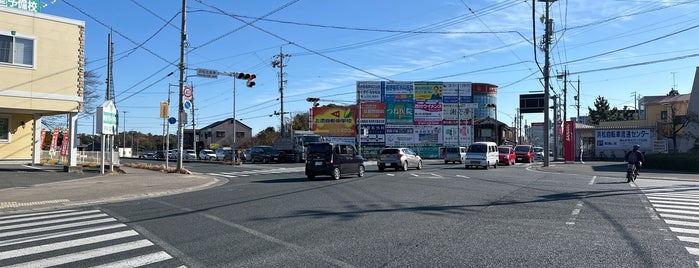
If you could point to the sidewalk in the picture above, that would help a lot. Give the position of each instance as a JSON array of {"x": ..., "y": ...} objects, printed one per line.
[
  {"x": 133, "y": 184},
  {"x": 613, "y": 169}
]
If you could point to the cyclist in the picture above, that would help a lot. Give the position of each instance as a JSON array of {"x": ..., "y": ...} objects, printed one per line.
[{"x": 635, "y": 157}]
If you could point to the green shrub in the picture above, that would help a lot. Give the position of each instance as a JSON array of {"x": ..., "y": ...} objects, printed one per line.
[{"x": 679, "y": 161}]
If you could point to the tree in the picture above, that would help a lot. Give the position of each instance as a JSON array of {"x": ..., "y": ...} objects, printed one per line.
[
  {"x": 673, "y": 125},
  {"x": 601, "y": 113},
  {"x": 673, "y": 92},
  {"x": 300, "y": 122}
]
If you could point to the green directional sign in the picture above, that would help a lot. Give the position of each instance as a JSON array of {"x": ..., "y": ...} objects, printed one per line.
[
  {"x": 107, "y": 118},
  {"x": 26, "y": 5}
]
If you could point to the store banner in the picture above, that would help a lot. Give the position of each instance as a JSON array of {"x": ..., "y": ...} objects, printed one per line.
[
  {"x": 334, "y": 121},
  {"x": 54, "y": 139},
  {"x": 569, "y": 141}
]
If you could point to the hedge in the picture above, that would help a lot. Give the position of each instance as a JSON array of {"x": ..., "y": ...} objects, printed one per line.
[{"x": 679, "y": 161}]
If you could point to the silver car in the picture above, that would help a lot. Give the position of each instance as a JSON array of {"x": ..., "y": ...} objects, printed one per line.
[{"x": 399, "y": 158}]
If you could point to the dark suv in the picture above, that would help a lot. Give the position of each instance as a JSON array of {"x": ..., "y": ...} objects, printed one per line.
[
  {"x": 334, "y": 159},
  {"x": 264, "y": 154}
]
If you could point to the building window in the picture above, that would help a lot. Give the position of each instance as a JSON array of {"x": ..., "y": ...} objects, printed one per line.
[
  {"x": 240, "y": 134},
  {"x": 663, "y": 115},
  {"x": 16, "y": 50},
  {"x": 220, "y": 134},
  {"x": 4, "y": 129}
]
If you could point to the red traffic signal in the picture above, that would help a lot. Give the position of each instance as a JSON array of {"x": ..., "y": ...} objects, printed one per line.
[{"x": 251, "y": 83}]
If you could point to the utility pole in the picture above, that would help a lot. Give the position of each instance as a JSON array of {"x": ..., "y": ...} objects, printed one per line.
[
  {"x": 124, "y": 145},
  {"x": 547, "y": 65},
  {"x": 180, "y": 110},
  {"x": 279, "y": 62}
]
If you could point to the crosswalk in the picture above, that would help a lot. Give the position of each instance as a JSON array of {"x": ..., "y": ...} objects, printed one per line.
[
  {"x": 246, "y": 173},
  {"x": 75, "y": 238},
  {"x": 678, "y": 206}
]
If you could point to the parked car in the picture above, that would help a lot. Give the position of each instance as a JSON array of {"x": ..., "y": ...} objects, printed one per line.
[
  {"x": 524, "y": 153},
  {"x": 264, "y": 154},
  {"x": 172, "y": 154},
  {"x": 482, "y": 154},
  {"x": 246, "y": 155},
  {"x": 160, "y": 155},
  {"x": 398, "y": 158},
  {"x": 506, "y": 155},
  {"x": 189, "y": 154},
  {"x": 454, "y": 154},
  {"x": 207, "y": 154},
  {"x": 334, "y": 159},
  {"x": 224, "y": 154},
  {"x": 539, "y": 153}
]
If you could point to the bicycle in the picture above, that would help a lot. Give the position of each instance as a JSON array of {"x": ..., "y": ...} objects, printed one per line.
[{"x": 631, "y": 172}]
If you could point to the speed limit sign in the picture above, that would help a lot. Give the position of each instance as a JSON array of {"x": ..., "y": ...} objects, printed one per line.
[{"x": 187, "y": 92}]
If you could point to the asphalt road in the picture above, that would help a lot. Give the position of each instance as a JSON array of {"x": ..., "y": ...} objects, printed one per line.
[{"x": 443, "y": 215}]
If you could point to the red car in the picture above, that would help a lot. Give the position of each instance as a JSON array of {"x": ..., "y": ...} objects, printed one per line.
[
  {"x": 506, "y": 155},
  {"x": 524, "y": 153}
]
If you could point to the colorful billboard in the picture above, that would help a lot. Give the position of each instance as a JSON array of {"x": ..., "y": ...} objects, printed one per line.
[
  {"x": 427, "y": 113},
  {"x": 399, "y": 112},
  {"x": 428, "y": 91},
  {"x": 334, "y": 121},
  {"x": 372, "y": 113},
  {"x": 371, "y": 91},
  {"x": 399, "y": 92},
  {"x": 399, "y": 135}
]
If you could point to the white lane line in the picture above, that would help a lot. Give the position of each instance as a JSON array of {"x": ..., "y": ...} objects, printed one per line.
[
  {"x": 463, "y": 176},
  {"x": 696, "y": 200},
  {"x": 30, "y": 224},
  {"x": 22, "y": 240},
  {"x": 34, "y": 214},
  {"x": 56, "y": 227},
  {"x": 43, "y": 217},
  {"x": 689, "y": 239},
  {"x": 574, "y": 214},
  {"x": 693, "y": 251},
  {"x": 663, "y": 202},
  {"x": 138, "y": 261},
  {"x": 391, "y": 174},
  {"x": 675, "y": 216},
  {"x": 414, "y": 175},
  {"x": 683, "y": 223},
  {"x": 676, "y": 211},
  {"x": 83, "y": 255},
  {"x": 684, "y": 230},
  {"x": 592, "y": 181},
  {"x": 65, "y": 244},
  {"x": 690, "y": 208}
]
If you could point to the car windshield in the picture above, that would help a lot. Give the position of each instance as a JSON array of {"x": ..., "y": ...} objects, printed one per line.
[
  {"x": 522, "y": 149},
  {"x": 538, "y": 149},
  {"x": 477, "y": 148},
  {"x": 504, "y": 150},
  {"x": 452, "y": 150},
  {"x": 320, "y": 148},
  {"x": 390, "y": 151}
]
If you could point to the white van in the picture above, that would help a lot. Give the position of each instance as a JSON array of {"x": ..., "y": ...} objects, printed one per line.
[
  {"x": 454, "y": 154},
  {"x": 482, "y": 154}
]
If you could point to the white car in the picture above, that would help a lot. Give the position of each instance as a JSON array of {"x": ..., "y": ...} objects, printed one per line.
[
  {"x": 207, "y": 154},
  {"x": 539, "y": 153},
  {"x": 189, "y": 154}
]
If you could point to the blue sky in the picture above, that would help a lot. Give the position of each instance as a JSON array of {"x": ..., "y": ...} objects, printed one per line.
[{"x": 615, "y": 48}]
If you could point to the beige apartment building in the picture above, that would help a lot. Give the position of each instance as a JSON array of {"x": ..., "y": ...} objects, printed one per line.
[{"x": 42, "y": 60}]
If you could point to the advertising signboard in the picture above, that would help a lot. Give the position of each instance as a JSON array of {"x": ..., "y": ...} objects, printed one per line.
[
  {"x": 372, "y": 113},
  {"x": 428, "y": 113},
  {"x": 623, "y": 139},
  {"x": 106, "y": 118},
  {"x": 334, "y": 121},
  {"x": 370, "y": 91},
  {"x": 399, "y": 113},
  {"x": 399, "y": 92},
  {"x": 399, "y": 135},
  {"x": 428, "y": 91}
]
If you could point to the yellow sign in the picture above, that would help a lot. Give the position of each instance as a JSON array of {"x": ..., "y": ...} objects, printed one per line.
[{"x": 164, "y": 110}]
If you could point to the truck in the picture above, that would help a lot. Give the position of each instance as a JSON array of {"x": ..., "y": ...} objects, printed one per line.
[{"x": 293, "y": 148}]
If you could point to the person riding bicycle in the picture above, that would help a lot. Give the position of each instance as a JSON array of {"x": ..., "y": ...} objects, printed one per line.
[{"x": 635, "y": 157}]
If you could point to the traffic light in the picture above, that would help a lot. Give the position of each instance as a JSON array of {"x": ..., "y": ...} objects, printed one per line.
[
  {"x": 249, "y": 77},
  {"x": 250, "y": 82},
  {"x": 489, "y": 105},
  {"x": 314, "y": 101}
]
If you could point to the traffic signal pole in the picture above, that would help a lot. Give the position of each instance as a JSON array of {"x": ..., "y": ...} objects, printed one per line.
[{"x": 180, "y": 121}]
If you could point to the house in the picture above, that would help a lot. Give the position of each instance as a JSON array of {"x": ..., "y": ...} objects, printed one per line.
[
  {"x": 42, "y": 60},
  {"x": 221, "y": 133}
]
